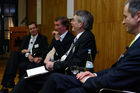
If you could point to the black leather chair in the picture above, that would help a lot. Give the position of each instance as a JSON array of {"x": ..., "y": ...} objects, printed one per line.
[{"x": 106, "y": 90}]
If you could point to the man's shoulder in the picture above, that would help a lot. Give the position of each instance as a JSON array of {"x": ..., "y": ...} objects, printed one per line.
[
  {"x": 87, "y": 35},
  {"x": 26, "y": 37},
  {"x": 70, "y": 34}
]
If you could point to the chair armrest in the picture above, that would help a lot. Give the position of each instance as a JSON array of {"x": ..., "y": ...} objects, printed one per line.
[{"x": 106, "y": 90}]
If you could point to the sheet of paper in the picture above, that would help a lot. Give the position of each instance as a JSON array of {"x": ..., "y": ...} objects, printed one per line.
[{"x": 36, "y": 71}]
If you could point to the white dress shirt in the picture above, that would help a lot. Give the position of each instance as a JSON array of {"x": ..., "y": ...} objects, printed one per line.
[
  {"x": 31, "y": 44},
  {"x": 66, "y": 54}
]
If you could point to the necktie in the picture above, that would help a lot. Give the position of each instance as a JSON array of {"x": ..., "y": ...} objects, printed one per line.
[
  {"x": 75, "y": 39},
  {"x": 31, "y": 43},
  {"x": 132, "y": 43},
  {"x": 50, "y": 54},
  {"x": 66, "y": 54}
]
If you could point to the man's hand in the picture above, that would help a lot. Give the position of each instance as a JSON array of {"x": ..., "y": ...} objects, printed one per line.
[
  {"x": 56, "y": 35},
  {"x": 46, "y": 60},
  {"x": 82, "y": 76},
  {"x": 49, "y": 65},
  {"x": 37, "y": 59},
  {"x": 30, "y": 57},
  {"x": 24, "y": 51}
]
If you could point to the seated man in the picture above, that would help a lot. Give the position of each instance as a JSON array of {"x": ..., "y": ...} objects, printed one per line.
[
  {"x": 76, "y": 55},
  {"x": 124, "y": 75},
  {"x": 29, "y": 55},
  {"x": 62, "y": 39},
  {"x": 60, "y": 45}
]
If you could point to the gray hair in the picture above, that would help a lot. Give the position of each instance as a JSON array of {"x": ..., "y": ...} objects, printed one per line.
[
  {"x": 134, "y": 6},
  {"x": 86, "y": 18}
]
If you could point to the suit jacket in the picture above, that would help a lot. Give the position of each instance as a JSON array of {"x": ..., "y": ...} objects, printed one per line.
[
  {"x": 124, "y": 75},
  {"x": 79, "y": 53},
  {"x": 39, "y": 47},
  {"x": 61, "y": 47}
]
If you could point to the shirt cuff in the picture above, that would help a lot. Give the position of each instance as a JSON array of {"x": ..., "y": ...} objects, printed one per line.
[
  {"x": 26, "y": 55},
  {"x": 89, "y": 77}
]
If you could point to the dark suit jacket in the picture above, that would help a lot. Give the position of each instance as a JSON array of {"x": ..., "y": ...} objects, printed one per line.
[
  {"x": 123, "y": 75},
  {"x": 39, "y": 51},
  {"x": 61, "y": 47},
  {"x": 79, "y": 52}
]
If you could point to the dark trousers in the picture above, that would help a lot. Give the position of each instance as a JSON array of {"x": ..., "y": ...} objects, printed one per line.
[
  {"x": 17, "y": 61},
  {"x": 30, "y": 85},
  {"x": 11, "y": 68},
  {"x": 60, "y": 83}
]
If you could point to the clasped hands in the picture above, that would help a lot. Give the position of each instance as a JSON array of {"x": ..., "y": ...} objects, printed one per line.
[
  {"x": 83, "y": 76},
  {"x": 34, "y": 59},
  {"x": 30, "y": 57}
]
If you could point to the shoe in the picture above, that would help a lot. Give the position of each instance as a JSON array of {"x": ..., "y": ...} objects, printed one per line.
[{"x": 4, "y": 91}]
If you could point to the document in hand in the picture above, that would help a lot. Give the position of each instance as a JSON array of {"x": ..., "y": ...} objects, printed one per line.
[{"x": 36, "y": 71}]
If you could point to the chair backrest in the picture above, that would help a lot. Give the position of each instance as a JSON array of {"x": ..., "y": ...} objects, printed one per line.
[{"x": 16, "y": 36}]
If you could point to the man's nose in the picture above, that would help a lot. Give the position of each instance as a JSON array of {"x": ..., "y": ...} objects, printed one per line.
[{"x": 123, "y": 22}]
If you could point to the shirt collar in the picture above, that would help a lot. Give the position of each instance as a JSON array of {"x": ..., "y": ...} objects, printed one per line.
[
  {"x": 34, "y": 36},
  {"x": 77, "y": 37},
  {"x": 137, "y": 36},
  {"x": 63, "y": 35}
]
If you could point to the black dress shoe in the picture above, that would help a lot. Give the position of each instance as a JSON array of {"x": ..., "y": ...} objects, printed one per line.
[{"x": 4, "y": 91}]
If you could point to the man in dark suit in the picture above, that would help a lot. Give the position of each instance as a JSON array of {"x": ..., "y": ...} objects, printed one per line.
[
  {"x": 123, "y": 75},
  {"x": 29, "y": 55},
  {"x": 76, "y": 55},
  {"x": 62, "y": 39}
]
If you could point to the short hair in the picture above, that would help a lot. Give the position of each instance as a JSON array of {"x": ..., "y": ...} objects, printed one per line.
[
  {"x": 64, "y": 21},
  {"x": 87, "y": 19},
  {"x": 32, "y": 23},
  {"x": 134, "y": 6}
]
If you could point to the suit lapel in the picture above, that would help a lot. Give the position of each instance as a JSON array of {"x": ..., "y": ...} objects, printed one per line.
[
  {"x": 65, "y": 38},
  {"x": 127, "y": 51},
  {"x": 75, "y": 46},
  {"x": 27, "y": 41},
  {"x": 133, "y": 45},
  {"x": 37, "y": 40}
]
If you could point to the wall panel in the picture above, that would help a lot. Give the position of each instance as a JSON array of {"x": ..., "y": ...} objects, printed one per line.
[
  {"x": 50, "y": 10},
  {"x": 31, "y": 11}
]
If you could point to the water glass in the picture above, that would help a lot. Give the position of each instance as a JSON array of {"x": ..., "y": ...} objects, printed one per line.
[{"x": 74, "y": 69}]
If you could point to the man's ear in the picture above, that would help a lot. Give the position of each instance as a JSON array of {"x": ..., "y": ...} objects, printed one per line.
[
  {"x": 81, "y": 24},
  {"x": 138, "y": 16}
]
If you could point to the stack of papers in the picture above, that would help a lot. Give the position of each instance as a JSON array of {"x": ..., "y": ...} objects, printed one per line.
[{"x": 36, "y": 71}]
